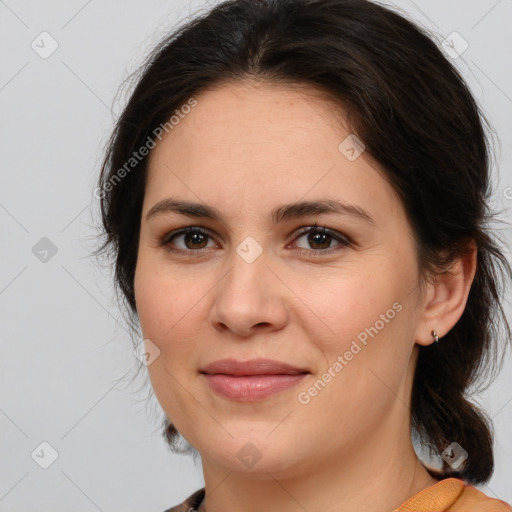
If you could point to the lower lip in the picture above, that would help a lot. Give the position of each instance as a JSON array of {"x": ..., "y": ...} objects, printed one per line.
[{"x": 250, "y": 388}]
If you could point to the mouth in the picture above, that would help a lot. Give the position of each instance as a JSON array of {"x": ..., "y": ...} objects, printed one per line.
[
  {"x": 251, "y": 367},
  {"x": 253, "y": 380}
]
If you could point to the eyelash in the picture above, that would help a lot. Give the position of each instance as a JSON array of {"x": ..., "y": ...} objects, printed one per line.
[{"x": 344, "y": 240}]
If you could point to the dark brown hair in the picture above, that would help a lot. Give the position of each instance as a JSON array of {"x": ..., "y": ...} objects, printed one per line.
[{"x": 412, "y": 109}]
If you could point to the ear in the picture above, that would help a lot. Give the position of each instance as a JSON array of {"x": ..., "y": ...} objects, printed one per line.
[{"x": 446, "y": 297}]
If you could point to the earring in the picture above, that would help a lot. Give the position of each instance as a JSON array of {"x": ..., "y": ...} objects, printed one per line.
[{"x": 435, "y": 336}]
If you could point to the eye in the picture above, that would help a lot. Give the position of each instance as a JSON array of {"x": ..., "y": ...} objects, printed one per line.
[
  {"x": 320, "y": 239},
  {"x": 195, "y": 240}
]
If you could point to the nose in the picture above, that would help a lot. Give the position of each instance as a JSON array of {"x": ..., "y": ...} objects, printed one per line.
[{"x": 250, "y": 298}]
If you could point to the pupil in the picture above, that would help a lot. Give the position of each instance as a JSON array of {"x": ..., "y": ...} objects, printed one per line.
[
  {"x": 317, "y": 240},
  {"x": 195, "y": 237}
]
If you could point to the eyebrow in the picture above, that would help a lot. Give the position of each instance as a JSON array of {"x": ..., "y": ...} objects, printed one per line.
[{"x": 278, "y": 214}]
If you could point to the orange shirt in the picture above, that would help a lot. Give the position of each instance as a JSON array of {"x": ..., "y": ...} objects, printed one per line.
[
  {"x": 448, "y": 495},
  {"x": 452, "y": 495}
]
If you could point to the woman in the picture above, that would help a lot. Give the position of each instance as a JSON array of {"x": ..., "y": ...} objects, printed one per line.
[{"x": 296, "y": 197}]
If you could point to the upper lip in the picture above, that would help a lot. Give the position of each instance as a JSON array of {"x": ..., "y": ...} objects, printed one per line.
[{"x": 251, "y": 367}]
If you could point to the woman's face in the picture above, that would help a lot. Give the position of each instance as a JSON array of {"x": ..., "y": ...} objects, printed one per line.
[{"x": 342, "y": 306}]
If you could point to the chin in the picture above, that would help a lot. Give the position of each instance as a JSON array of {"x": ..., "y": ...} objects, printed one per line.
[{"x": 258, "y": 454}]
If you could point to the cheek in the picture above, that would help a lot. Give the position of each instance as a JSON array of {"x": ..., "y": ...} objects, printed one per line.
[
  {"x": 344, "y": 307},
  {"x": 150, "y": 300},
  {"x": 364, "y": 352},
  {"x": 160, "y": 299},
  {"x": 165, "y": 307},
  {"x": 171, "y": 312},
  {"x": 367, "y": 318}
]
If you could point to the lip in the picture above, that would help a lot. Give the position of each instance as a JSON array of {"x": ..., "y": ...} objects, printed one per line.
[
  {"x": 251, "y": 367},
  {"x": 250, "y": 388},
  {"x": 251, "y": 380}
]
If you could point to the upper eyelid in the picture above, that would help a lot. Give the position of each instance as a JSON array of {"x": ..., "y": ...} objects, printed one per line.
[{"x": 331, "y": 232}]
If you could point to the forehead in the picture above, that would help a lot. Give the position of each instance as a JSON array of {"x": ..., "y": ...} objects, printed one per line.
[
  {"x": 256, "y": 138},
  {"x": 240, "y": 112},
  {"x": 239, "y": 119}
]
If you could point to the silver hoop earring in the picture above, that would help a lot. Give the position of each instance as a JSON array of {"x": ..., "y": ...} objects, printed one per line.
[{"x": 435, "y": 336}]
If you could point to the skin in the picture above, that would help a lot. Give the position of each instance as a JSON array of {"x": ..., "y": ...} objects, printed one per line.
[{"x": 245, "y": 149}]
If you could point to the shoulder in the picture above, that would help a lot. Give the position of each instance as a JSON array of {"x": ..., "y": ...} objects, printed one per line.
[
  {"x": 453, "y": 495},
  {"x": 190, "y": 504},
  {"x": 473, "y": 499}
]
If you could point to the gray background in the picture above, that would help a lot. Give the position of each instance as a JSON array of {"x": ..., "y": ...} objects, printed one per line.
[{"x": 66, "y": 358}]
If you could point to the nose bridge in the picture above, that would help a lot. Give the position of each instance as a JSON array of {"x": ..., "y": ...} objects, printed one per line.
[
  {"x": 248, "y": 271},
  {"x": 249, "y": 294}
]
